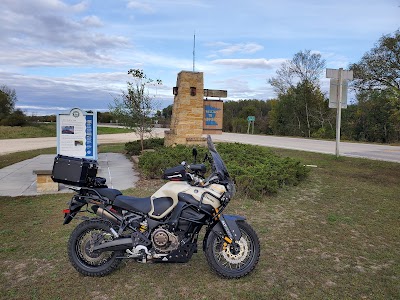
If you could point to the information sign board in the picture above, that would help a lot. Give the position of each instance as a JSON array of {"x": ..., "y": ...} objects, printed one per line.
[{"x": 77, "y": 134}]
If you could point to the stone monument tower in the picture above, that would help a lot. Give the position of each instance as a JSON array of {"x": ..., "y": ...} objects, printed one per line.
[
  {"x": 192, "y": 115},
  {"x": 187, "y": 112}
]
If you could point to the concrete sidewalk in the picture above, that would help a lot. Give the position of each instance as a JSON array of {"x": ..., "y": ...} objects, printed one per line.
[{"x": 19, "y": 180}]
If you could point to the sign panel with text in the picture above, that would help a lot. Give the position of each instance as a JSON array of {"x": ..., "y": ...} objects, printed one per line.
[{"x": 77, "y": 134}]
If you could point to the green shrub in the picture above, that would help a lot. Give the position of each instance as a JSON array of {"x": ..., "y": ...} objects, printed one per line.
[
  {"x": 134, "y": 148},
  {"x": 256, "y": 170},
  {"x": 17, "y": 118},
  {"x": 153, "y": 164}
]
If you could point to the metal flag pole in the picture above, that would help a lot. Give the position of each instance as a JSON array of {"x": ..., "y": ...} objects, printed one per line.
[{"x": 194, "y": 49}]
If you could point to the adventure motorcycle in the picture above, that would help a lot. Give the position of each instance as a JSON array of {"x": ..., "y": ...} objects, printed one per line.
[{"x": 160, "y": 228}]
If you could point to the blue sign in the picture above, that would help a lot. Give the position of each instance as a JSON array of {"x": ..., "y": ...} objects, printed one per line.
[{"x": 211, "y": 112}]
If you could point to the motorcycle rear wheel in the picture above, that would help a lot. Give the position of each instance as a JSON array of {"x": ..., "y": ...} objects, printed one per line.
[
  {"x": 228, "y": 264},
  {"x": 80, "y": 245}
]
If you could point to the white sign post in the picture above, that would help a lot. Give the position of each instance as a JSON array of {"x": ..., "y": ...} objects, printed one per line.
[
  {"x": 77, "y": 134},
  {"x": 338, "y": 96}
]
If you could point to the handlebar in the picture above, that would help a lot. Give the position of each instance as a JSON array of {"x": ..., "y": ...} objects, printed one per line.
[{"x": 192, "y": 173}]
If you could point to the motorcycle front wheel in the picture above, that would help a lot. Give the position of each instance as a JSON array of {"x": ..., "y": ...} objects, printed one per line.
[
  {"x": 80, "y": 249},
  {"x": 228, "y": 263}
]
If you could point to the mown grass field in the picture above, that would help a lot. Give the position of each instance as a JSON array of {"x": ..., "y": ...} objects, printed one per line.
[
  {"x": 46, "y": 130},
  {"x": 12, "y": 158},
  {"x": 334, "y": 236}
]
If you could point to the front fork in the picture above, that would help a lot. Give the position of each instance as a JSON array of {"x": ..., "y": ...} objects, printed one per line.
[{"x": 226, "y": 227}]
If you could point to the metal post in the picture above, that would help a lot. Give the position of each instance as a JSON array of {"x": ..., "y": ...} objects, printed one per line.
[{"x": 339, "y": 111}]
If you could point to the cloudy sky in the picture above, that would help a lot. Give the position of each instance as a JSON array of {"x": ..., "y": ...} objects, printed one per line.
[{"x": 60, "y": 54}]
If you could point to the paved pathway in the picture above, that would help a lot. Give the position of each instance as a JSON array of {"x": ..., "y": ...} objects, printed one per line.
[
  {"x": 19, "y": 180},
  {"x": 371, "y": 151},
  {"x": 15, "y": 145}
]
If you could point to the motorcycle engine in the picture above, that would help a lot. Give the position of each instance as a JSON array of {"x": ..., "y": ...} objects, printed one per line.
[{"x": 164, "y": 241}]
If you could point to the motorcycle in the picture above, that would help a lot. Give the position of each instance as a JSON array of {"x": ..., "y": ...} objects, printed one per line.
[{"x": 162, "y": 228}]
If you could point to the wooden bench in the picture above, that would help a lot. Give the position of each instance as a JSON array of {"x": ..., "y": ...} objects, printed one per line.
[{"x": 44, "y": 183}]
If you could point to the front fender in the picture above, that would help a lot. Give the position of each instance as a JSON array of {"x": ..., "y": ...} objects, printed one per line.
[{"x": 230, "y": 228}]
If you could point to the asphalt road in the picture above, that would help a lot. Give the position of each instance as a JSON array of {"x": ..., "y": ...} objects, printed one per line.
[
  {"x": 370, "y": 151},
  {"x": 16, "y": 145}
]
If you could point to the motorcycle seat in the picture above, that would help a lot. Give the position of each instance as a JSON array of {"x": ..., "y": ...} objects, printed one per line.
[
  {"x": 108, "y": 193},
  {"x": 132, "y": 203}
]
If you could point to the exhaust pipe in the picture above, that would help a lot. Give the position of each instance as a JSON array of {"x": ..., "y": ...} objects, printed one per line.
[
  {"x": 104, "y": 214},
  {"x": 115, "y": 245}
]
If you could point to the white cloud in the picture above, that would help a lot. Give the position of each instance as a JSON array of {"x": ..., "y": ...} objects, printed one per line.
[
  {"x": 247, "y": 63},
  {"x": 54, "y": 58},
  {"x": 33, "y": 7},
  {"x": 93, "y": 21},
  {"x": 230, "y": 49},
  {"x": 36, "y": 107},
  {"x": 25, "y": 29},
  {"x": 141, "y": 6},
  {"x": 247, "y": 48}
]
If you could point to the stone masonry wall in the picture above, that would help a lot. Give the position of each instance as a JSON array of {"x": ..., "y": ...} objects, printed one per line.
[{"x": 187, "y": 111}]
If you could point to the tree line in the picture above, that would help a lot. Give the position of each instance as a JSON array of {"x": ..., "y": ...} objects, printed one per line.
[{"x": 301, "y": 108}]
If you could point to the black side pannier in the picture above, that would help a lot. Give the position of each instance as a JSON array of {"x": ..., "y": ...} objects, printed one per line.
[{"x": 74, "y": 171}]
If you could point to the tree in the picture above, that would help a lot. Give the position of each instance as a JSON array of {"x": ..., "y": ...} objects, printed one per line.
[
  {"x": 8, "y": 98},
  {"x": 135, "y": 107},
  {"x": 17, "y": 118},
  {"x": 104, "y": 117},
  {"x": 164, "y": 116},
  {"x": 376, "y": 115},
  {"x": 304, "y": 66},
  {"x": 236, "y": 113},
  {"x": 380, "y": 67},
  {"x": 375, "y": 118},
  {"x": 303, "y": 107},
  {"x": 302, "y": 111}
]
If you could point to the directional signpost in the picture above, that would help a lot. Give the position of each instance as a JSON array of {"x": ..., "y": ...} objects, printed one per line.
[
  {"x": 250, "y": 121},
  {"x": 338, "y": 96}
]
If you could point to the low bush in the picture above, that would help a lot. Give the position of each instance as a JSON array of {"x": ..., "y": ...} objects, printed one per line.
[
  {"x": 256, "y": 170},
  {"x": 134, "y": 148},
  {"x": 17, "y": 118},
  {"x": 153, "y": 164}
]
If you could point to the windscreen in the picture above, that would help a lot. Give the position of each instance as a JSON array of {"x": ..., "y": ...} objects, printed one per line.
[{"x": 218, "y": 163}]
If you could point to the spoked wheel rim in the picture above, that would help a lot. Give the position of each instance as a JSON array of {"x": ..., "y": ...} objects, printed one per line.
[
  {"x": 228, "y": 258},
  {"x": 84, "y": 248}
]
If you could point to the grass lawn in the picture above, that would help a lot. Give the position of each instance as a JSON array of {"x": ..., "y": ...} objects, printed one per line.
[
  {"x": 12, "y": 158},
  {"x": 46, "y": 130},
  {"x": 335, "y": 236}
]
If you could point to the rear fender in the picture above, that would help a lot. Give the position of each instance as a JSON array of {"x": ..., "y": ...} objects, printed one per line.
[
  {"x": 226, "y": 226},
  {"x": 75, "y": 206}
]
